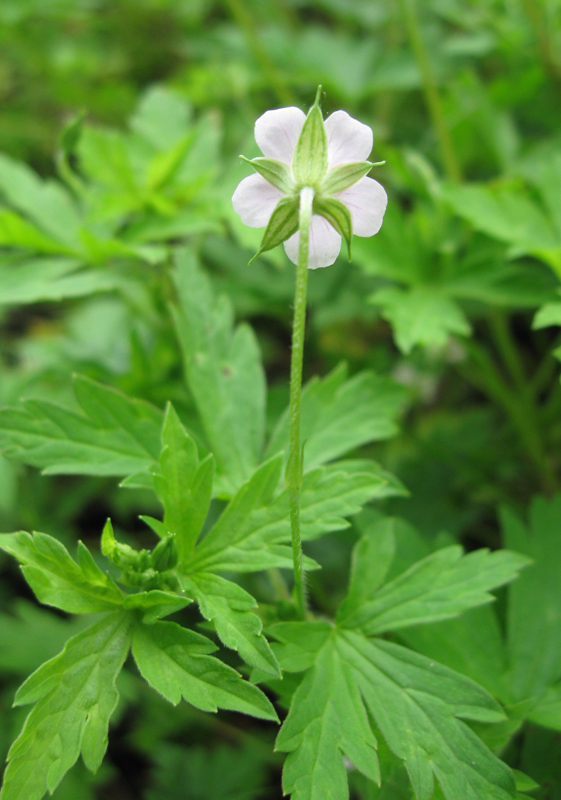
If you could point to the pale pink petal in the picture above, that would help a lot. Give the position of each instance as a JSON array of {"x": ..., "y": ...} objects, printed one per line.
[
  {"x": 325, "y": 244},
  {"x": 367, "y": 201},
  {"x": 347, "y": 139},
  {"x": 277, "y": 131},
  {"x": 255, "y": 200}
]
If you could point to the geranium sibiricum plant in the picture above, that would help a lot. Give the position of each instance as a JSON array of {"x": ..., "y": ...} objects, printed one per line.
[{"x": 311, "y": 190}]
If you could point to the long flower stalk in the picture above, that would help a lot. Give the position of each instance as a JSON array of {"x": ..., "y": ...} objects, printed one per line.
[{"x": 294, "y": 466}]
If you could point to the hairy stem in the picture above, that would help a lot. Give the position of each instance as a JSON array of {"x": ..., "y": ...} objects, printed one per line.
[
  {"x": 432, "y": 95},
  {"x": 294, "y": 466}
]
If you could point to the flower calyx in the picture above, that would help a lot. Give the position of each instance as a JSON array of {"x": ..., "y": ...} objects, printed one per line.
[{"x": 304, "y": 151}]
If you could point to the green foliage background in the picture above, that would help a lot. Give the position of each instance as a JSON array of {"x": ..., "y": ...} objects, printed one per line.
[{"x": 120, "y": 129}]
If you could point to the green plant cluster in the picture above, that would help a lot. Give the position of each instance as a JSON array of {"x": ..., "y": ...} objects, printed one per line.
[{"x": 144, "y": 421}]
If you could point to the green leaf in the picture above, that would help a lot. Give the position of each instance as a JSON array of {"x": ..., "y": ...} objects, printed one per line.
[
  {"x": 417, "y": 706},
  {"x": 161, "y": 117},
  {"x": 163, "y": 167},
  {"x": 31, "y": 634},
  {"x": 71, "y": 134},
  {"x": 224, "y": 372},
  {"x": 471, "y": 644},
  {"x": 35, "y": 280},
  {"x": 75, "y": 696},
  {"x": 55, "y": 577},
  {"x": 15, "y": 231},
  {"x": 372, "y": 557},
  {"x": 309, "y": 162},
  {"x": 175, "y": 662},
  {"x": 338, "y": 216},
  {"x": 185, "y": 485},
  {"x": 421, "y": 315},
  {"x": 224, "y": 772},
  {"x": 547, "y": 315},
  {"x": 441, "y": 586},
  {"x": 339, "y": 415},
  {"x": 345, "y": 175},
  {"x": 275, "y": 172},
  {"x": 510, "y": 215},
  {"x": 327, "y": 720},
  {"x": 105, "y": 157},
  {"x": 45, "y": 203},
  {"x": 231, "y": 609},
  {"x": 283, "y": 223},
  {"x": 253, "y": 531},
  {"x": 534, "y": 609},
  {"x": 156, "y": 604},
  {"x": 114, "y": 435}
]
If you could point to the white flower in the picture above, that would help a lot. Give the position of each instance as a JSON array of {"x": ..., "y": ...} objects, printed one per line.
[{"x": 349, "y": 143}]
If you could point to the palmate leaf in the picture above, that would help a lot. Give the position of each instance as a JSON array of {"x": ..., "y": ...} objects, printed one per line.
[
  {"x": 421, "y": 315},
  {"x": 416, "y": 704},
  {"x": 114, "y": 435},
  {"x": 75, "y": 696},
  {"x": 224, "y": 373},
  {"x": 327, "y": 721},
  {"x": 441, "y": 586},
  {"x": 56, "y": 579},
  {"x": 175, "y": 662},
  {"x": 253, "y": 531},
  {"x": 510, "y": 214},
  {"x": 231, "y": 609},
  {"x": 339, "y": 415}
]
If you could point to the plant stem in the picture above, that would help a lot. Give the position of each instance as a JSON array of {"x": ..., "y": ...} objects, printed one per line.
[
  {"x": 247, "y": 24},
  {"x": 294, "y": 465},
  {"x": 490, "y": 381},
  {"x": 432, "y": 95}
]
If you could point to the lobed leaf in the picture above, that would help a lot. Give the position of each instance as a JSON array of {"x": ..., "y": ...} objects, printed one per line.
[
  {"x": 224, "y": 373},
  {"x": 55, "y": 577},
  {"x": 416, "y": 704},
  {"x": 75, "y": 696},
  {"x": 441, "y": 586},
  {"x": 327, "y": 721},
  {"x": 252, "y": 532},
  {"x": 231, "y": 609},
  {"x": 175, "y": 662},
  {"x": 421, "y": 315},
  {"x": 340, "y": 415},
  {"x": 114, "y": 434}
]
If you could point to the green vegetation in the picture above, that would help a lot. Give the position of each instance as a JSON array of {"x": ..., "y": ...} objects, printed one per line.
[{"x": 149, "y": 467}]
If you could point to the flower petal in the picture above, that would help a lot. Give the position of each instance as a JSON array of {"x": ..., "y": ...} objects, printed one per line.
[
  {"x": 367, "y": 201},
  {"x": 347, "y": 139},
  {"x": 255, "y": 200},
  {"x": 325, "y": 244},
  {"x": 277, "y": 131}
]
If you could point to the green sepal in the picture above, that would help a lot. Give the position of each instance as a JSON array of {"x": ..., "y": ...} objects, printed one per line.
[
  {"x": 282, "y": 225},
  {"x": 309, "y": 163},
  {"x": 338, "y": 215},
  {"x": 165, "y": 556},
  {"x": 345, "y": 175},
  {"x": 275, "y": 172},
  {"x": 122, "y": 555}
]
